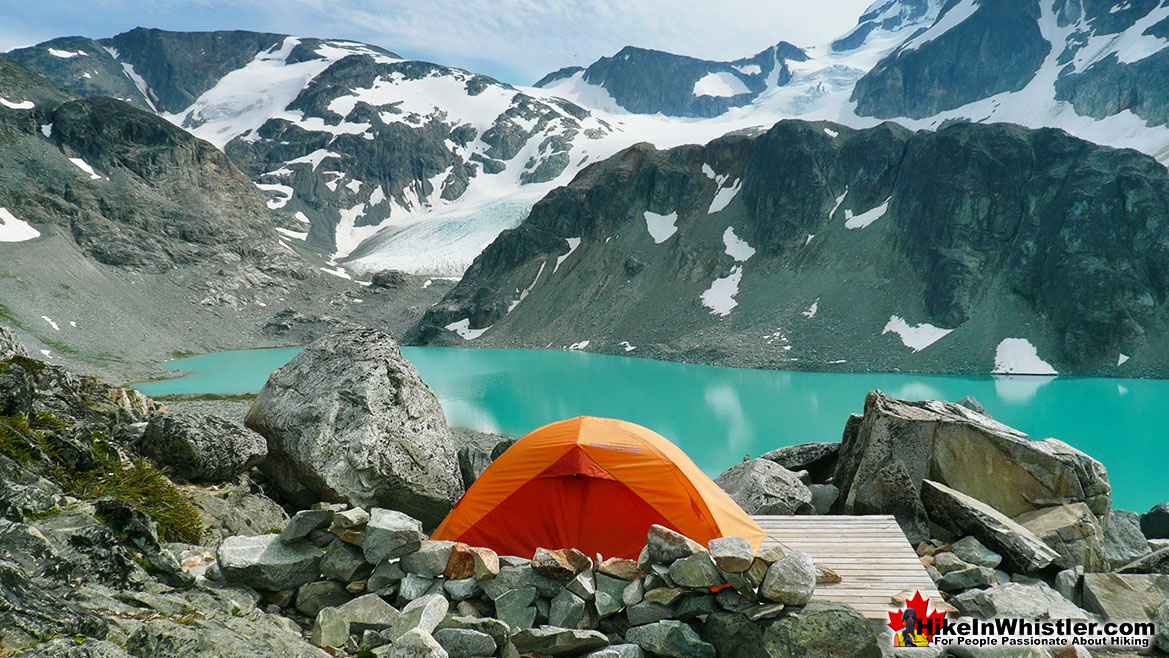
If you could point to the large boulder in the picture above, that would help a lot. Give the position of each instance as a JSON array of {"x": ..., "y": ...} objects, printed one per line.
[
  {"x": 761, "y": 486},
  {"x": 1155, "y": 522},
  {"x": 963, "y": 515},
  {"x": 818, "y": 459},
  {"x": 17, "y": 387},
  {"x": 265, "y": 562},
  {"x": 1073, "y": 531},
  {"x": 672, "y": 638},
  {"x": 1123, "y": 539},
  {"x": 892, "y": 491},
  {"x": 201, "y": 447},
  {"x": 822, "y": 629},
  {"x": 1125, "y": 597},
  {"x": 350, "y": 419},
  {"x": 1029, "y": 601},
  {"x": 967, "y": 451},
  {"x": 10, "y": 345},
  {"x": 1156, "y": 562}
]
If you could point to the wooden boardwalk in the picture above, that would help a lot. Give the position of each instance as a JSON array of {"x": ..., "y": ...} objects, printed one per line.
[{"x": 871, "y": 554}]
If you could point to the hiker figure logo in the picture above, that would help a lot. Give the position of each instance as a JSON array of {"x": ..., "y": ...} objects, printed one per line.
[{"x": 915, "y": 624}]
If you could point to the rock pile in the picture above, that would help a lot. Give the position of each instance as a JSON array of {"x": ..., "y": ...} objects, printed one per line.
[{"x": 372, "y": 581}]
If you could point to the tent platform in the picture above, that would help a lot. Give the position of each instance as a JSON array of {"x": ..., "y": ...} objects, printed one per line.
[{"x": 871, "y": 554}]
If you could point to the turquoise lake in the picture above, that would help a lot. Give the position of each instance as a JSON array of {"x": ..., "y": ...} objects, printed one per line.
[{"x": 718, "y": 415}]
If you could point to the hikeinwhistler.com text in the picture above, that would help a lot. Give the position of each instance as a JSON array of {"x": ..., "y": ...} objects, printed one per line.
[{"x": 1014, "y": 631}]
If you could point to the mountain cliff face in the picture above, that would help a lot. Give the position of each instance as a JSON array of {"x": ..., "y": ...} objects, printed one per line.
[
  {"x": 654, "y": 82},
  {"x": 812, "y": 245}
]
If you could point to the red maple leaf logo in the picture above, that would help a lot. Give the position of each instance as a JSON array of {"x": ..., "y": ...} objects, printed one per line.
[{"x": 932, "y": 620}]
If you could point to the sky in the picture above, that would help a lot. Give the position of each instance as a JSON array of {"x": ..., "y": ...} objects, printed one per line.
[{"x": 516, "y": 41}]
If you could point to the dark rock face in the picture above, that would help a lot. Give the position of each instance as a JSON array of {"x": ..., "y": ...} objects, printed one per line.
[
  {"x": 980, "y": 220},
  {"x": 350, "y": 419},
  {"x": 1155, "y": 522},
  {"x": 651, "y": 82},
  {"x": 822, "y": 628},
  {"x": 998, "y": 48}
]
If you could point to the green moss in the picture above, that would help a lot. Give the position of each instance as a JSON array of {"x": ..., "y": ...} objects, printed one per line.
[
  {"x": 31, "y": 365},
  {"x": 182, "y": 354},
  {"x": 45, "y": 420},
  {"x": 16, "y": 440}
]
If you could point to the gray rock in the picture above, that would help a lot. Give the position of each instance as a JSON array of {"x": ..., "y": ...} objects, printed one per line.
[
  {"x": 607, "y": 599},
  {"x": 959, "y": 513},
  {"x": 350, "y": 419},
  {"x": 634, "y": 592},
  {"x": 1069, "y": 585},
  {"x": 822, "y": 629},
  {"x": 494, "y": 628},
  {"x": 264, "y": 562},
  {"x": 761, "y": 486},
  {"x": 647, "y": 612},
  {"x": 1161, "y": 618},
  {"x": 75, "y": 647},
  {"x": 465, "y": 642},
  {"x": 695, "y": 606},
  {"x": 824, "y": 496},
  {"x": 10, "y": 345},
  {"x": 313, "y": 597},
  {"x": 956, "y": 447},
  {"x": 513, "y": 607},
  {"x": 429, "y": 560},
  {"x": 617, "y": 651},
  {"x": 201, "y": 447},
  {"x": 518, "y": 577},
  {"x": 304, "y": 522},
  {"x": 236, "y": 508},
  {"x": 1155, "y": 562},
  {"x": 384, "y": 575},
  {"x": 350, "y": 518},
  {"x": 422, "y": 614},
  {"x": 415, "y": 643},
  {"x": 17, "y": 388},
  {"x": 390, "y": 534},
  {"x": 732, "y": 634},
  {"x": 974, "y": 405},
  {"x": 415, "y": 586},
  {"x": 1124, "y": 597},
  {"x": 1123, "y": 540},
  {"x": 968, "y": 578},
  {"x": 1072, "y": 530},
  {"x": 971, "y": 551},
  {"x": 663, "y": 595},
  {"x": 584, "y": 585},
  {"x": 344, "y": 562},
  {"x": 891, "y": 491},
  {"x": 567, "y": 610},
  {"x": 330, "y": 628},
  {"x": 1030, "y": 601},
  {"x": 665, "y": 545},
  {"x": 818, "y": 459},
  {"x": 553, "y": 641},
  {"x": 732, "y": 554},
  {"x": 388, "y": 279},
  {"x": 791, "y": 580},
  {"x": 945, "y": 562},
  {"x": 670, "y": 638},
  {"x": 462, "y": 589},
  {"x": 30, "y": 613},
  {"x": 368, "y": 613},
  {"x": 696, "y": 571},
  {"x": 1155, "y": 522}
]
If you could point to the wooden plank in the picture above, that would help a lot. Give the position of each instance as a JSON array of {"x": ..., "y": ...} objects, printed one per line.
[{"x": 870, "y": 553}]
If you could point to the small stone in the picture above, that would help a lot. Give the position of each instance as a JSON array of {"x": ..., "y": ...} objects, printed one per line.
[
  {"x": 567, "y": 610},
  {"x": 355, "y": 536},
  {"x": 583, "y": 585},
  {"x": 553, "y": 641},
  {"x": 696, "y": 570},
  {"x": 1067, "y": 583},
  {"x": 422, "y": 614},
  {"x": 968, "y": 578},
  {"x": 619, "y": 568},
  {"x": 947, "y": 562},
  {"x": 321, "y": 537},
  {"x": 647, "y": 612},
  {"x": 355, "y": 587},
  {"x": 732, "y": 554},
  {"x": 264, "y": 562},
  {"x": 430, "y": 559},
  {"x": 513, "y": 608},
  {"x": 465, "y": 642},
  {"x": 415, "y": 586},
  {"x": 665, "y": 545},
  {"x": 971, "y": 551},
  {"x": 462, "y": 589},
  {"x": 461, "y": 563},
  {"x": 368, "y": 613},
  {"x": 559, "y": 564},
  {"x": 790, "y": 581},
  {"x": 344, "y": 562},
  {"x": 825, "y": 575},
  {"x": 414, "y": 643},
  {"x": 304, "y": 522},
  {"x": 670, "y": 638},
  {"x": 764, "y": 611},
  {"x": 486, "y": 563},
  {"x": 663, "y": 595},
  {"x": 633, "y": 593},
  {"x": 330, "y": 629},
  {"x": 693, "y": 606},
  {"x": 390, "y": 534},
  {"x": 311, "y": 598},
  {"x": 607, "y": 599},
  {"x": 486, "y": 625},
  {"x": 617, "y": 651},
  {"x": 384, "y": 575},
  {"x": 350, "y": 518}
]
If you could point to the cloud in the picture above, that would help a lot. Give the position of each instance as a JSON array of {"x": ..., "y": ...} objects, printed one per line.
[{"x": 515, "y": 40}]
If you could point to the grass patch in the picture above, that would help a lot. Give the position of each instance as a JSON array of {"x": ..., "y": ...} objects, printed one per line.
[
  {"x": 6, "y": 314},
  {"x": 34, "y": 367},
  {"x": 182, "y": 354},
  {"x": 16, "y": 440}
]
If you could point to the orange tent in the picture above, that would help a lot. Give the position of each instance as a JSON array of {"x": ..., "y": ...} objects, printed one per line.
[{"x": 595, "y": 484}]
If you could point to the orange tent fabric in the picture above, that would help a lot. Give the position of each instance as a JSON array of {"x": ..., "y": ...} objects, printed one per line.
[{"x": 595, "y": 484}]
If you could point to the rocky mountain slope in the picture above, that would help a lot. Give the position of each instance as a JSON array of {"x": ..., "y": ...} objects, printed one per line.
[
  {"x": 125, "y": 239},
  {"x": 344, "y": 138},
  {"x": 975, "y": 248}
]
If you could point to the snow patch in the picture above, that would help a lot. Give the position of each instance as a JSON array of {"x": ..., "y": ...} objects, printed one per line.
[
  {"x": 15, "y": 230},
  {"x": 47, "y": 352},
  {"x": 22, "y": 105},
  {"x": 292, "y": 234},
  {"x": 720, "y": 297},
  {"x": 579, "y": 346},
  {"x": 661, "y": 227},
  {"x": 735, "y": 247},
  {"x": 808, "y": 241},
  {"x": 865, "y": 218},
  {"x": 51, "y": 323},
  {"x": 337, "y": 271},
  {"x": 354, "y": 186},
  {"x": 724, "y": 197},
  {"x": 66, "y": 54},
  {"x": 708, "y": 171},
  {"x": 839, "y": 200},
  {"x": 916, "y": 337},
  {"x": 47, "y": 130},
  {"x": 626, "y": 346},
  {"x": 721, "y": 84},
  {"x": 283, "y": 192},
  {"x": 1121, "y": 359},
  {"x": 951, "y": 19},
  {"x": 140, "y": 83},
  {"x": 573, "y": 243},
  {"x": 315, "y": 158},
  {"x": 463, "y": 329},
  {"x": 84, "y": 166},
  {"x": 811, "y": 312},
  {"x": 749, "y": 69},
  {"x": 831, "y": 133},
  {"x": 1017, "y": 356},
  {"x": 377, "y": 196}
]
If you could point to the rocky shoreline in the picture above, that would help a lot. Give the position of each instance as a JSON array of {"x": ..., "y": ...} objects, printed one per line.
[{"x": 132, "y": 530}]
